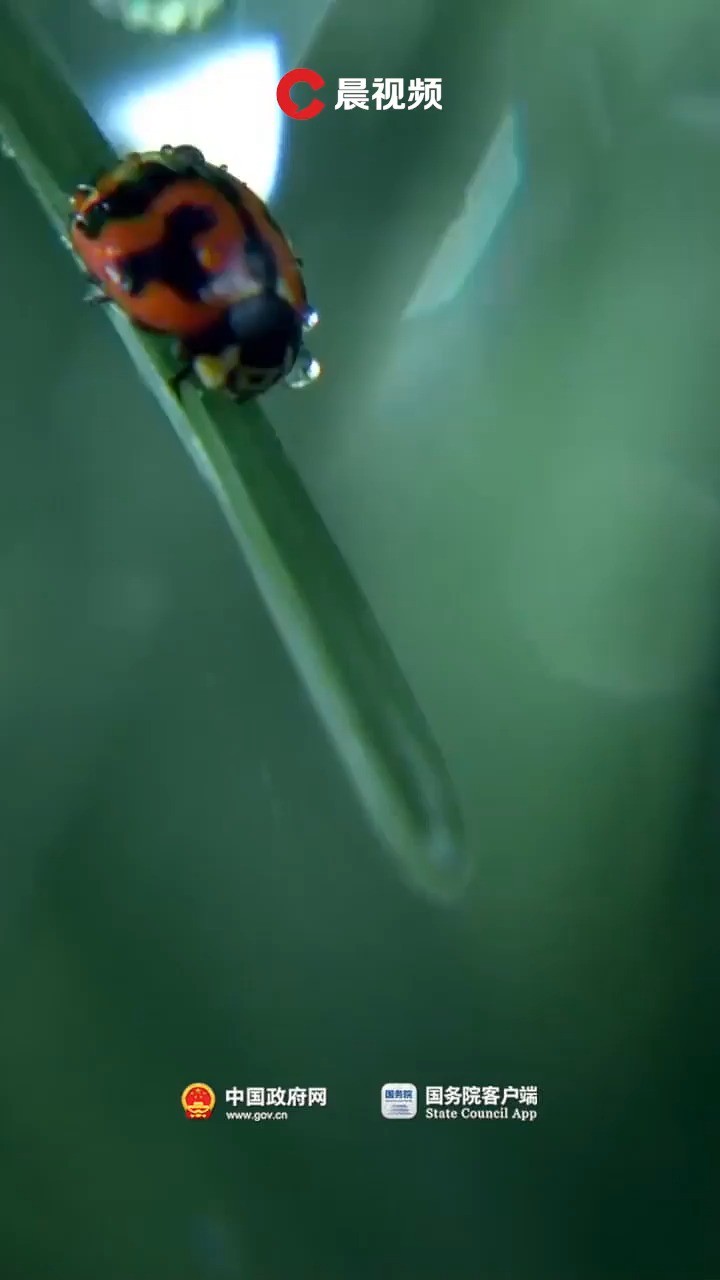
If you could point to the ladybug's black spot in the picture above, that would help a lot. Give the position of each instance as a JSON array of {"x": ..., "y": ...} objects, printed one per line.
[
  {"x": 92, "y": 221},
  {"x": 230, "y": 190},
  {"x": 129, "y": 199},
  {"x": 173, "y": 261},
  {"x": 258, "y": 253}
]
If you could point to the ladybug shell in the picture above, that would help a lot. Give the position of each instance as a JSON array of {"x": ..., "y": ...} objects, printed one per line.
[{"x": 175, "y": 247}]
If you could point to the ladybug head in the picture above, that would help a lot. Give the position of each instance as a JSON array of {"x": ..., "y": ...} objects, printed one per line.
[{"x": 267, "y": 320}]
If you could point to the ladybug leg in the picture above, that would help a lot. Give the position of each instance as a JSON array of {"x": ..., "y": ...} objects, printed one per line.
[
  {"x": 180, "y": 377},
  {"x": 95, "y": 296},
  {"x": 185, "y": 369}
]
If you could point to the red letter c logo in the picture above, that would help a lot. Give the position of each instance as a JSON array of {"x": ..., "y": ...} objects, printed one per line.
[{"x": 301, "y": 75}]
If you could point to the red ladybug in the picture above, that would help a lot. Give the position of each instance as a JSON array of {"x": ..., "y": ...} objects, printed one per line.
[{"x": 186, "y": 249}]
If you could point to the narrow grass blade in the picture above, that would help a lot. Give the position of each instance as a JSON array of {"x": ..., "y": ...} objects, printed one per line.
[{"x": 331, "y": 636}]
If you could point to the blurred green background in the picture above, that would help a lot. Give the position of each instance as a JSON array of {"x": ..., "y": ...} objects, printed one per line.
[{"x": 518, "y": 455}]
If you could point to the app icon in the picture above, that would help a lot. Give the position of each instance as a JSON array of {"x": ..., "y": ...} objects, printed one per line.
[{"x": 398, "y": 1101}]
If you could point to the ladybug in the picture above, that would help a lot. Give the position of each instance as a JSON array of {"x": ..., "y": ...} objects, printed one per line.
[{"x": 187, "y": 250}]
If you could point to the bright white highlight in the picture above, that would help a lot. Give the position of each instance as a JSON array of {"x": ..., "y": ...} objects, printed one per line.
[
  {"x": 486, "y": 202},
  {"x": 225, "y": 106}
]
